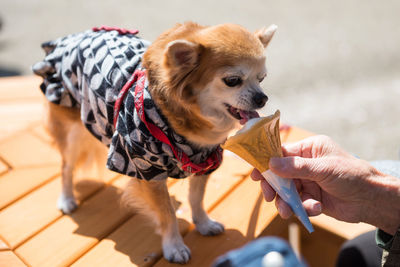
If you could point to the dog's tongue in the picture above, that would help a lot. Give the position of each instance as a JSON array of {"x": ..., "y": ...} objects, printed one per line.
[{"x": 247, "y": 115}]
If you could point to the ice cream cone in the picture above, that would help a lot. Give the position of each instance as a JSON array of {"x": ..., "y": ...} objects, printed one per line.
[{"x": 258, "y": 141}]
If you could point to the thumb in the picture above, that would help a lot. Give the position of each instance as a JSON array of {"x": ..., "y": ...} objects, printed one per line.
[{"x": 297, "y": 167}]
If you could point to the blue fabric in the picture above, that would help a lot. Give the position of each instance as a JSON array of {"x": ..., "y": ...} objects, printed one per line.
[
  {"x": 252, "y": 254},
  {"x": 391, "y": 167}
]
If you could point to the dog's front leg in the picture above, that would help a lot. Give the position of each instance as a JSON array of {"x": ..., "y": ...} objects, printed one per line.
[
  {"x": 152, "y": 199},
  {"x": 203, "y": 223}
]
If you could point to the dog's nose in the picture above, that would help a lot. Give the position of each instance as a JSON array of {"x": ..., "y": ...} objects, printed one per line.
[{"x": 260, "y": 99}]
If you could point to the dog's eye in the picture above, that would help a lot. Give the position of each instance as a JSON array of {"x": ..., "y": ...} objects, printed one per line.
[{"x": 232, "y": 81}]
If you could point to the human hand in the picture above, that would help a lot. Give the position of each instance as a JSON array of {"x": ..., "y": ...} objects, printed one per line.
[{"x": 329, "y": 180}]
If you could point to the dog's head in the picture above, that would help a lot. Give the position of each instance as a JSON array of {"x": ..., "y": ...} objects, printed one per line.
[{"x": 207, "y": 79}]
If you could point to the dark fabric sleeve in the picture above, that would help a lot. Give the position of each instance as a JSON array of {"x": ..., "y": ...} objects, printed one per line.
[{"x": 391, "y": 246}]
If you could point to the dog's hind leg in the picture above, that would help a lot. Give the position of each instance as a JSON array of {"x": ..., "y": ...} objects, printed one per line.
[
  {"x": 152, "y": 199},
  {"x": 66, "y": 201},
  {"x": 203, "y": 223},
  {"x": 67, "y": 131}
]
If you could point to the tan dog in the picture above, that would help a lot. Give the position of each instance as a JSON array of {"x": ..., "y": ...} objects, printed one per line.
[{"x": 204, "y": 80}]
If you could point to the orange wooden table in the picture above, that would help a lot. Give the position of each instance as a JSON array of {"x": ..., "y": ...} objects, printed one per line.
[{"x": 101, "y": 233}]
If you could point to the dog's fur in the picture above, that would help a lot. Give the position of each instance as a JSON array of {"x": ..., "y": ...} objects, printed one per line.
[{"x": 186, "y": 68}]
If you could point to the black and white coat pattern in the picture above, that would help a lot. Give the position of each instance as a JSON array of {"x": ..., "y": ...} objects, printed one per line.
[{"x": 87, "y": 71}]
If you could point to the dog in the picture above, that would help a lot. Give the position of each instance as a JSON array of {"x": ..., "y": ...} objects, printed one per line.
[{"x": 162, "y": 109}]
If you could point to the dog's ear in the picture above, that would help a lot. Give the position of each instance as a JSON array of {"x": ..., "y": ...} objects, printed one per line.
[
  {"x": 182, "y": 53},
  {"x": 265, "y": 34}
]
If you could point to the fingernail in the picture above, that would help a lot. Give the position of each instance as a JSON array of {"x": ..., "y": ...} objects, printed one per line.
[{"x": 317, "y": 207}]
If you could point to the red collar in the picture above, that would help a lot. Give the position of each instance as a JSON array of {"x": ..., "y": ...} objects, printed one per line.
[
  {"x": 119, "y": 30},
  {"x": 139, "y": 76}
]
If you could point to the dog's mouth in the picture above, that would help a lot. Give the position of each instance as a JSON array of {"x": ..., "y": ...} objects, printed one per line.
[{"x": 240, "y": 114}]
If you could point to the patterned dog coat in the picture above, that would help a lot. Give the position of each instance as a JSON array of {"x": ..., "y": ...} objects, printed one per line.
[{"x": 98, "y": 71}]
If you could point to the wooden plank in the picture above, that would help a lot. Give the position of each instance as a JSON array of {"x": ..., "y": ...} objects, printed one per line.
[
  {"x": 18, "y": 115},
  {"x": 30, "y": 214},
  {"x": 20, "y": 87},
  {"x": 41, "y": 132},
  {"x": 65, "y": 240},
  {"x": 325, "y": 243},
  {"x": 25, "y": 150},
  {"x": 320, "y": 248},
  {"x": 9, "y": 259},
  {"x": 244, "y": 213},
  {"x": 284, "y": 130},
  {"x": 295, "y": 134},
  {"x": 135, "y": 243},
  {"x": 35, "y": 211},
  {"x": 17, "y": 183},
  {"x": 127, "y": 245},
  {"x": 20, "y": 104},
  {"x": 3, "y": 168},
  {"x": 3, "y": 245},
  {"x": 342, "y": 229}
]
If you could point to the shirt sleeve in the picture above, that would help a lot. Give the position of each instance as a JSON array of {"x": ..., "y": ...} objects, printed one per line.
[{"x": 391, "y": 246}]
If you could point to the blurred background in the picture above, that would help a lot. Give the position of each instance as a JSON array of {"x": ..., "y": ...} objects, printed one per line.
[{"x": 334, "y": 66}]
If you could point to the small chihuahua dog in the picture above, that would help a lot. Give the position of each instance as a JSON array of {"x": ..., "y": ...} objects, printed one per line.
[{"x": 162, "y": 109}]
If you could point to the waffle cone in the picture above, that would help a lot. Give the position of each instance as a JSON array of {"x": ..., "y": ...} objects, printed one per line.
[{"x": 259, "y": 143}]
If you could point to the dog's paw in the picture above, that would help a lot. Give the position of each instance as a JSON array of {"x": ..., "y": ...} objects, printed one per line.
[
  {"x": 210, "y": 227},
  {"x": 176, "y": 252},
  {"x": 67, "y": 204}
]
